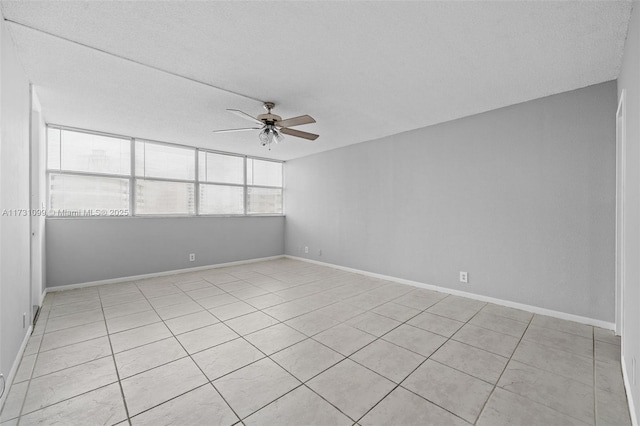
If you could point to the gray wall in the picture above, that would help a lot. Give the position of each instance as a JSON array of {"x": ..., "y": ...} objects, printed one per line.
[
  {"x": 522, "y": 198},
  {"x": 628, "y": 80},
  {"x": 85, "y": 250},
  {"x": 14, "y": 194}
]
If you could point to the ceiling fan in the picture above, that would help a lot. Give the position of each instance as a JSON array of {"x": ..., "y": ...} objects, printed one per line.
[{"x": 272, "y": 127}]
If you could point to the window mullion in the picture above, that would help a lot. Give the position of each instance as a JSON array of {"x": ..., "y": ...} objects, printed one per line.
[
  {"x": 132, "y": 181},
  {"x": 196, "y": 196},
  {"x": 245, "y": 190}
]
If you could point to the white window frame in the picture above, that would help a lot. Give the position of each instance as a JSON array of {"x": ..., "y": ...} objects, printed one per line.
[
  {"x": 247, "y": 186},
  {"x": 61, "y": 171},
  {"x": 158, "y": 179},
  {"x": 243, "y": 185},
  {"x": 132, "y": 177}
]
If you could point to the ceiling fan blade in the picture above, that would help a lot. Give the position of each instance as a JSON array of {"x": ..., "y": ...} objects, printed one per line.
[
  {"x": 299, "y": 134},
  {"x": 236, "y": 130},
  {"x": 296, "y": 121},
  {"x": 245, "y": 116}
]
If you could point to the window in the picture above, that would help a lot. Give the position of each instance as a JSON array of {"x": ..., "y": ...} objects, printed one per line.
[
  {"x": 90, "y": 153},
  {"x": 221, "y": 168},
  {"x": 264, "y": 200},
  {"x": 221, "y": 183},
  {"x": 264, "y": 173},
  {"x": 165, "y": 179},
  {"x": 220, "y": 199},
  {"x": 93, "y": 174},
  {"x": 89, "y": 174},
  {"x": 162, "y": 197},
  {"x": 155, "y": 160},
  {"x": 78, "y": 195},
  {"x": 264, "y": 187}
]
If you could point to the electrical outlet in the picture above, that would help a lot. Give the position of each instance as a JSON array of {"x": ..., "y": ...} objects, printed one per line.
[
  {"x": 306, "y": 249},
  {"x": 192, "y": 257},
  {"x": 320, "y": 252},
  {"x": 24, "y": 320},
  {"x": 464, "y": 277}
]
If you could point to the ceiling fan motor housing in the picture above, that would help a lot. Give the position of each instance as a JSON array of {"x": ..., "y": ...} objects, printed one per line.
[{"x": 269, "y": 118}]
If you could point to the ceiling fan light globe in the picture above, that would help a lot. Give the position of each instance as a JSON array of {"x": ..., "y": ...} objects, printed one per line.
[
  {"x": 277, "y": 136},
  {"x": 264, "y": 137},
  {"x": 267, "y": 136}
]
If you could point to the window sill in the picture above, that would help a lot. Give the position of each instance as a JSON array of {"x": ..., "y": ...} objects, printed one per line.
[{"x": 158, "y": 216}]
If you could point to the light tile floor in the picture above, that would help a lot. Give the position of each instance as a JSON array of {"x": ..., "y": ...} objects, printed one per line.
[{"x": 284, "y": 342}]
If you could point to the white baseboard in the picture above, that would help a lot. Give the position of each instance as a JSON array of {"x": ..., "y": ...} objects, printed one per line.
[
  {"x": 627, "y": 386},
  {"x": 158, "y": 274},
  {"x": 14, "y": 367},
  {"x": 507, "y": 303}
]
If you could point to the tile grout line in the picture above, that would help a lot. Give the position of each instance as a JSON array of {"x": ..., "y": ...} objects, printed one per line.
[
  {"x": 544, "y": 345},
  {"x": 189, "y": 356},
  {"x": 68, "y": 399},
  {"x": 354, "y": 361},
  {"x": 566, "y": 332},
  {"x": 239, "y": 337},
  {"x": 543, "y": 370},
  {"x": 71, "y": 344},
  {"x": 34, "y": 364},
  {"x": 40, "y": 343},
  {"x": 376, "y": 339},
  {"x": 397, "y": 385},
  {"x": 503, "y": 370},
  {"x": 242, "y": 337},
  {"x": 274, "y": 293},
  {"x": 545, "y": 405},
  {"x": 283, "y": 322},
  {"x": 115, "y": 366},
  {"x": 266, "y": 356},
  {"x": 152, "y": 308},
  {"x": 304, "y": 383},
  {"x": 33, "y": 369},
  {"x": 72, "y": 366},
  {"x": 26, "y": 393}
]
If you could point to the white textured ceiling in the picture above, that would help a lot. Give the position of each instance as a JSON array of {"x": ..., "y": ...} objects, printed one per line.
[{"x": 363, "y": 69}]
